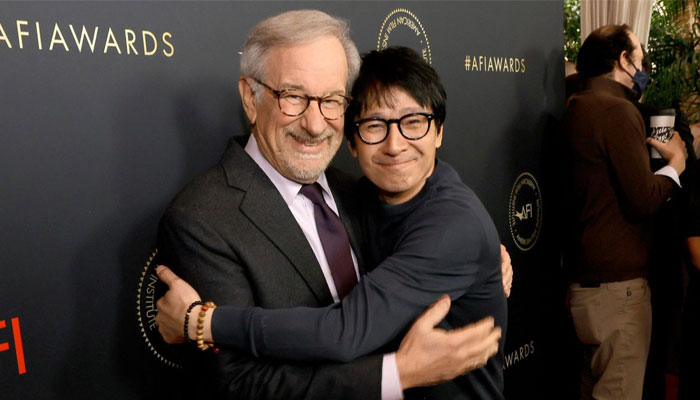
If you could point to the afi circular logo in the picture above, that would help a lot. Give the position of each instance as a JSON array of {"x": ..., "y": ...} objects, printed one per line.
[
  {"x": 149, "y": 291},
  {"x": 402, "y": 27},
  {"x": 525, "y": 211}
]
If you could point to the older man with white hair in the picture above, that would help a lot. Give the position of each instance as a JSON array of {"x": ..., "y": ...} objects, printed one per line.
[{"x": 265, "y": 227}]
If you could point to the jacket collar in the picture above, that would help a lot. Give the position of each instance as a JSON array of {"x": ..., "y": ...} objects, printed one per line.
[
  {"x": 263, "y": 205},
  {"x": 612, "y": 87}
]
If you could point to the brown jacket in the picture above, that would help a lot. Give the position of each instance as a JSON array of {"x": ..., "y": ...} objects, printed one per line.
[{"x": 611, "y": 191}]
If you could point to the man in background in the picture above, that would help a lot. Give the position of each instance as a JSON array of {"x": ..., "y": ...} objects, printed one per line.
[{"x": 612, "y": 194}]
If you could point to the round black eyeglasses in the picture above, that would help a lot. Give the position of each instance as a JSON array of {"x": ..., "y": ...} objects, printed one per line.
[{"x": 412, "y": 126}]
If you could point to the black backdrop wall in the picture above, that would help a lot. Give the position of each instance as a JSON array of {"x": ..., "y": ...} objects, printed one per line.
[{"x": 107, "y": 109}]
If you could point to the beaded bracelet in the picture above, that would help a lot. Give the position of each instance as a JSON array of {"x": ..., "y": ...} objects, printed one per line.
[
  {"x": 187, "y": 320},
  {"x": 200, "y": 327}
]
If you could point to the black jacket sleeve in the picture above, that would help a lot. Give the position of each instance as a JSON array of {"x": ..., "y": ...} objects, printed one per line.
[{"x": 440, "y": 253}]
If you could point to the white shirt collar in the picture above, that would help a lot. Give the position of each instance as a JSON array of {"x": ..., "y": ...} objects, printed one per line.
[{"x": 287, "y": 188}]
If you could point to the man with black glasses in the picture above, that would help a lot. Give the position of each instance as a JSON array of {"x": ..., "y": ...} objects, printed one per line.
[{"x": 428, "y": 233}]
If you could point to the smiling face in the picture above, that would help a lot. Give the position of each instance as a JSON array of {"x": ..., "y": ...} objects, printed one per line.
[
  {"x": 300, "y": 147},
  {"x": 397, "y": 166}
]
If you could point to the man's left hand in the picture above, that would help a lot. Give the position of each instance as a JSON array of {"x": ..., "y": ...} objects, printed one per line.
[{"x": 429, "y": 355}]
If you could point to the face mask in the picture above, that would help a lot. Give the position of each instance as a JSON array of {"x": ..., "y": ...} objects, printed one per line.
[{"x": 640, "y": 79}]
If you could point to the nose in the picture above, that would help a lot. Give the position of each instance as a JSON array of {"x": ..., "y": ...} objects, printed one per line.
[
  {"x": 312, "y": 120},
  {"x": 395, "y": 143}
]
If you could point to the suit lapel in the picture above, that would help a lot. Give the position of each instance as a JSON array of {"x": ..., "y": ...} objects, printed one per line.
[{"x": 266, "y": 209}]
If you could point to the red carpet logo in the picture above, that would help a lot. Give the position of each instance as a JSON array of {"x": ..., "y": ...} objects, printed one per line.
[
  {"x": 149, "y": 291},
  {"x": 525, "y": 211},
  {"x": 402, "y": 27},
  {"x": 519, "y": 354},
  {"x": 90, "y": 40},
  {"x": 494, "y": 64},
  {"x": 17, "y": 344}
]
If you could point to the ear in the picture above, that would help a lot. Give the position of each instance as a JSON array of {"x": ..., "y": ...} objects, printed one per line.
[
  {"x": 352, "y": 148},
  {"x": 438, "y": 137},
  {"x": 248, "y": 99},
  {"x": 622, "y": 59}
]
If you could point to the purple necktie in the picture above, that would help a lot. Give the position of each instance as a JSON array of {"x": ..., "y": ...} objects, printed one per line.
[{"x": 334, "y": 240}]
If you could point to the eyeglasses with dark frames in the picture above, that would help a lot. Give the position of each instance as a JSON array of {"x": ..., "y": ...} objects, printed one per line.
[
  {"x": 293, "y": 102},
  {"x": 412, "y": 126}
]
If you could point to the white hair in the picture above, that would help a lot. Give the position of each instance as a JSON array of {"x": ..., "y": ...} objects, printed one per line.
[{"x": 291, "y": 28}]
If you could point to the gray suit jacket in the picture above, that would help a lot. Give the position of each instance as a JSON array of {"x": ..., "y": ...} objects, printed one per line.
[{"x": 231, "y": 235}]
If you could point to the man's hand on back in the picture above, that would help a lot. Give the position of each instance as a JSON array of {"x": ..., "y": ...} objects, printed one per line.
[
  {"x": 172, "y": 307},
  {"x": 506, "y": 271},
  {"x": 429, "y": 355}
]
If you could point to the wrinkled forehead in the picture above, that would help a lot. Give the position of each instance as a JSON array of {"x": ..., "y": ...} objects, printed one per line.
[{"x": 313, "y": 65}]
